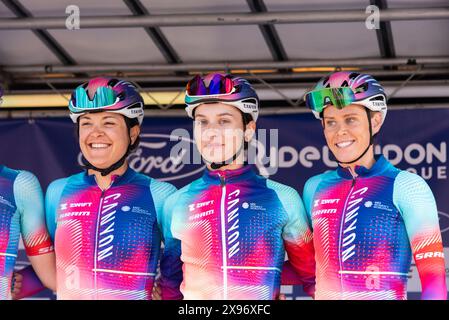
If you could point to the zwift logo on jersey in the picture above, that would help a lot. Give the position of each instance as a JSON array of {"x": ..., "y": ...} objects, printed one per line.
[{"x": 65, "y": 206}]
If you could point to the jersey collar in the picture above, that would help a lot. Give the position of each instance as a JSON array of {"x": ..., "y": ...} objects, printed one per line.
[
  {"x": 230, "y": 176},
  {"x": 379, "y": 166},
  {"x": 116, "y": 179}
]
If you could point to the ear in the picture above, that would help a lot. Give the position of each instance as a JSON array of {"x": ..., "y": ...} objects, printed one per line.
[
  {"x": 250, "y": 131},
  {"x": 376, "y": 122},
  {"x": 134, "y": 133}
]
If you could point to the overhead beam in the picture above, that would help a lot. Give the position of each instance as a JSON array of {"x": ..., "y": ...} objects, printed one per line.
[
  {"x": 155, "y": 33},
  {"x": 44, "y": 36},
  {"x": 269, "y": 32},
  {"x": 384, "y": 33},
  {"x": 240, "y": 65},
  {"x": 172, "y": 20}
]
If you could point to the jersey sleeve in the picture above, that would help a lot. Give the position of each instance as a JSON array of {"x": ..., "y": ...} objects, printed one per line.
[
  {"x": 416, "y": 203},
  {"x": 52, "y": 198},
  {"x": 297, "y": 236},
  {"x": 170, "y": 264},
  {"x": 310, "y": 188},
  {"x": 30, "y": 203}
]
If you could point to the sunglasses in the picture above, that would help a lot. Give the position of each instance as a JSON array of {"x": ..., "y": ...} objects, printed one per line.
[
  {"x": 219, "y": 84},
  {"x": 339, "y": 97},
  {"x": 103, "y": 97}
]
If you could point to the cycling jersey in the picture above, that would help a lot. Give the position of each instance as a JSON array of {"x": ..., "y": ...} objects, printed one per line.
[
  {"x": 108, "y": 242},
  {"x": 234, "y": 227},
  {"x": 21, "y": 211},
  {"x": 366, "y": 228}
]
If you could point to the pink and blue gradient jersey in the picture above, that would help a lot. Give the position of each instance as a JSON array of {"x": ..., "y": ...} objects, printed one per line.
[
  {"x": 108, "y": 242},
  {"x": 366, "y": 230},
  {"x": 21, "y": 212},
  {"x": 235, "y": 228}
]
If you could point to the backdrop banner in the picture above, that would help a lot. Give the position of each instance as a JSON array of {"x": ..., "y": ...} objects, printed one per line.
[{"x": 290, "y": 149}]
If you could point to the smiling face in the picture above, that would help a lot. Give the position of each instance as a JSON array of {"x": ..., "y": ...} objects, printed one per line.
[
  {"x": 218, "y": 131},
  {"x": 347, "y": 132},
  {"x": 104, "y": 138}
]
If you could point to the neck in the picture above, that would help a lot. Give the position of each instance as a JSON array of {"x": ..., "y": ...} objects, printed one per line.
[
  {"x": 366, "y": 161},
  {"x": 234, "y": 165},
  {"x": 105, "y": 181}
]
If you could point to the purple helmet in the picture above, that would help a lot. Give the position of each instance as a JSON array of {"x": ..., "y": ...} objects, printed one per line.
[
  {"x": 345, "y": 87},
  {"x": 225, "y": 88},
  {"x": 106, "y": 94}
]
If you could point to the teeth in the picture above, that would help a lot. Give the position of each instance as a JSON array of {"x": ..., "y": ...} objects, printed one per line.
[
  {"x": 344, "y": 144},
  {"x": 99, "y": 145}
]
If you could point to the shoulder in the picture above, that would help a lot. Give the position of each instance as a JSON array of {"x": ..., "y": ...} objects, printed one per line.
[
  {"x": 25, "y": 181},
  {"x": 313, "y": 182},
  {"x": 187, "y": 192},
  {"x": 59, "y": 183},
  {"x": 281, "y": 189},
  {"x": 410, "y": 183},
  {"x": 161, "y": 187}
]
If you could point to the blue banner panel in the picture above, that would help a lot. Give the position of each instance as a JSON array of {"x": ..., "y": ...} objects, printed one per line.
[{"x": 294, "y": 150}]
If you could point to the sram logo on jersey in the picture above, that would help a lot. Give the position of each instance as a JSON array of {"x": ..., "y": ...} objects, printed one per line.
[{"x": 426, "y": 255}]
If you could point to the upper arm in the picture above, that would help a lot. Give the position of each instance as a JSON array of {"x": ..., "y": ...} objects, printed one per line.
[
  {"x": 414, "y": 200},
  {"x": 52, "y": 199},
  {"x": 30, "y": 203},
  {"x": 416, "y": 203},
  {"x": 296, "y": 223},
  {"x": 310, "y": 188},
  {"x": 160, "y": 191}
]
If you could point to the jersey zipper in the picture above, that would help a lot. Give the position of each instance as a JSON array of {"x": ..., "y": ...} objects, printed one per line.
[
  {"x": 354, "y": 177},
  {"x": 223, "y": 236},
  {"x": 103, "y": 192}
]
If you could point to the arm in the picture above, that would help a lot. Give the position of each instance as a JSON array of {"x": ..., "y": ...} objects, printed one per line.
[
  {"x": 415, "y": 201},
  {"x": 298, "y": 242},
  {"x": 38, "y": 245},
  {"x": 170, "y": 264}
]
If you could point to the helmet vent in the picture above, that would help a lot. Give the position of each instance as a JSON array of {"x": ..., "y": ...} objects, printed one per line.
[
  {"x": 362, "y": 88},
  {"x": 113, "y": 82}
]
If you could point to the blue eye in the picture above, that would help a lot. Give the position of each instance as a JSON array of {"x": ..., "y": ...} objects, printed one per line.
[{"x": 350, "y": 120}]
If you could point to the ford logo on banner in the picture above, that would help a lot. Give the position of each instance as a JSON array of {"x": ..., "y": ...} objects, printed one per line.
[{"x": 155, "y": 157}]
